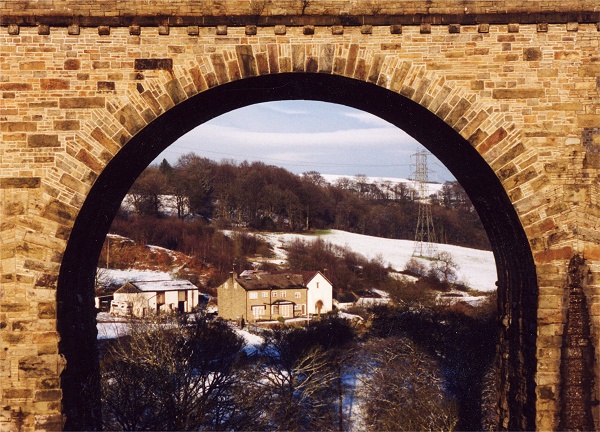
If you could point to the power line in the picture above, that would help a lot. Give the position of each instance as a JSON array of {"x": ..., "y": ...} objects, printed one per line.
[
  {"x": 287, "y": 162},
  {"x": 425, "y": 244}
]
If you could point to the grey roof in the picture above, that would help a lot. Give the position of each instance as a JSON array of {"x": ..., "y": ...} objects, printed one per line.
[
  {"x": 157, "y": 286},
  {"x": 260, "y": 281}
]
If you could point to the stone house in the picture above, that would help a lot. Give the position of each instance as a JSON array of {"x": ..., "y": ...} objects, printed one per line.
[
  {"x": 259, "y": 296},
  {"x": 148, "y": 298}
]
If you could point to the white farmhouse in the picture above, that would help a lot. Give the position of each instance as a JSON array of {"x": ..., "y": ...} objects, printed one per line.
[
  {"x": 320, "y": 292},
  {"x": 148, "y": 298}
]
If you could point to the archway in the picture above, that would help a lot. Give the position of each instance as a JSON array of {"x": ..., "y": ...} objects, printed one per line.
[{"x": 517, "y": 283}]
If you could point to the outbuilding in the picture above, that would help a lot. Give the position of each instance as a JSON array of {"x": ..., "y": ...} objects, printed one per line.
[{"x": 148, "y": 298}]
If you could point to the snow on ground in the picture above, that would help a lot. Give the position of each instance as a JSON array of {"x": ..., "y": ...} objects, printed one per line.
[
  {"x": 253, "y": 342},
  {"x": 379, "y": 181},
  {"x": 110, "y": 327},
  {"x": 121, "y": 276},
  {"x": 477, "y": 268}
]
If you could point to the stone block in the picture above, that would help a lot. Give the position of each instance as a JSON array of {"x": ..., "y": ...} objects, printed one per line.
[
  {"x": 366, "y": 29},
  {"x": 66, "y": 125},
  {"x": 54, "y": 84},
  {"x": 17, "y": 393},
  {"x": 454, "y": 28},
  {"x": 246, "y": 60},
  {"x": 513, "y": 28},
  {"x": 588, "y": 120},
  {"x": 33, "y": 65},
  {"x": 35, "y": 367},
  {"x": 105, "y": 86},
  {"x": 82, "y": 102},
  {"x": 532, "y": 54},
  {"x": 396, "y": 29},
  {"x": 73, "y": 30},
  {"x": 572, "y": 26},
  {"x": 72, "y": 64},
  {"x": 153, "y": 64},
  {"x": 42, "y": 140},
  {"x": 518, "y": 93},
  {"x": 47, "y": 395}
]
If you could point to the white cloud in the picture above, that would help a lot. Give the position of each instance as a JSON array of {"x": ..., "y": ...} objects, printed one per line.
[
  {"x": 348, "y": 138},
  {"x": 368, "y": 119},
  {"x": 285, "y": 110}
]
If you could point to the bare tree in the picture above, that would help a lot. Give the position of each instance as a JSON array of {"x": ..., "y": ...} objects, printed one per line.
[
  {"x": 170, "y": 376},
  {"x": 145, "y": 192},
  {"x": 294, "y": 382},
  {"x": 443, "y": 267},
  {"x": 401, "y": 389}
]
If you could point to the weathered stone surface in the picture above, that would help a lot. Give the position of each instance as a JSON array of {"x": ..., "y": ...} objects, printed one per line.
[
  {"x": 19, "y": 182},
  {"x": 522, "y": 92},
  {"x": 518, "y": 93},
  {"x": 54, "y": 84},
  {"x": 42, "y": 140},
  {"x": 82, "y": 102},
  {"x": 153, "y": 64}
]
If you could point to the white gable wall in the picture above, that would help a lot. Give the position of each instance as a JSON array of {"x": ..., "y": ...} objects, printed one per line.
[
  {"x": 319, "y": 288},
  {"x": 144, "y": 303}
]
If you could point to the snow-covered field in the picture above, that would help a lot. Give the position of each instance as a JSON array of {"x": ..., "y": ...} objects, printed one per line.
[
  {"x": 477, "y": 268},
  {"x": 121, "y": 276},
  {"x": 382, "y": 181}
]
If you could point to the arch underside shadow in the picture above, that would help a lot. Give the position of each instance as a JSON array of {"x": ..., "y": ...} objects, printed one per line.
[{"x": 517, "y": 282}]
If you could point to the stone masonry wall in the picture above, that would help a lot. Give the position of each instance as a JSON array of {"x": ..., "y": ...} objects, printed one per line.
[
  {"x": 526, "y": 96},
  {"x": 166, "y": 8}
]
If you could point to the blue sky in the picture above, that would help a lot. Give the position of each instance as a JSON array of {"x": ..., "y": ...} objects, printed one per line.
[{"x": 305, "y": 136}]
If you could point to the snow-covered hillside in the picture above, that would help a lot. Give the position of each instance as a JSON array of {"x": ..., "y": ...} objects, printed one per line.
[
  {"x": 477, "y": 268},
  {"x": 380, "y": 181}
]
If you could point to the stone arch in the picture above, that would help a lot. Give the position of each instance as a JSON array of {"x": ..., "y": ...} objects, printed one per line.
[{"x": 468, "y": 134}]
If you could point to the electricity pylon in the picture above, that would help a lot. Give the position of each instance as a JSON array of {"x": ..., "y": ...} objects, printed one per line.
[{"x": 425, "y": 242}]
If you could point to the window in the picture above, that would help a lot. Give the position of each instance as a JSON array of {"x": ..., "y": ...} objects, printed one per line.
[
  {"x": 258, "y": 311},
  {"x": 303, "y": 309},
  {"x": 317, "y": 285},
  {"x": 297, "y": 295},
  {"x": 274, "y": 294},
  {"x": 252, "y": 295},
  {"x": 287, "y": 311},
  {"x": 265, "y": 294},
  {"x": 282, "y": 293}
]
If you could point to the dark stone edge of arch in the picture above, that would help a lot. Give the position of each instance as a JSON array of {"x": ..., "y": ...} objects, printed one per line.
[
  {"x": 85, "y": 19},
  {"x": 516, "y": 270}
]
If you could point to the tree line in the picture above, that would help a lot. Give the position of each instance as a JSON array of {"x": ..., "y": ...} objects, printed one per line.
[
  {"x": 201, "y": 376},
  {"x": 264, "y": 197}
]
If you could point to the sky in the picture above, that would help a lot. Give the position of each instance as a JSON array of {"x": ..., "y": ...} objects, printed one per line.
[{"x": 305, "y": 136}]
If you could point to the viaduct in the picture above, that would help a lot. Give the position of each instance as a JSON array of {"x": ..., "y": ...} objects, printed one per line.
[{"x": 505, "y": 93}]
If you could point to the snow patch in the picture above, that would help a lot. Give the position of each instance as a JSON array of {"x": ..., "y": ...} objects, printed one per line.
[{"x": 477, "y": 268}]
